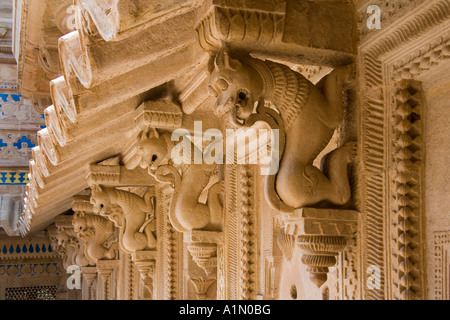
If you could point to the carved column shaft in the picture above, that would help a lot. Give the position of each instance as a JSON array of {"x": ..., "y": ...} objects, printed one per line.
[
  {"x": 145, "y": 261},
  {"x": 107, "y": 270},
  {"x": 89, "y": 276}
]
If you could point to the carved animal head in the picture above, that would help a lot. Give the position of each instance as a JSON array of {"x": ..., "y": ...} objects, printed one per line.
[
  {"x": 79, "y": 222},
  {"x": 62, "y": 238},
  {"x": 151, "y": 150},
  {"x": 100, "y": 199},
  {"x": 236, "y": 85}
]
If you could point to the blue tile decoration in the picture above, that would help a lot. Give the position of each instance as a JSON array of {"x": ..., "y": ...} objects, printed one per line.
[
  {"x": 16, "y": 97},
  {"x": 13, "y": 178},
  {"x": 32, "y": 270},
  {"x": 22, "y": 140}
]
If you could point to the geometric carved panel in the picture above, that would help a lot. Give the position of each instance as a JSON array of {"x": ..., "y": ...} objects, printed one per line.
[{"x": 442, "y": 265}]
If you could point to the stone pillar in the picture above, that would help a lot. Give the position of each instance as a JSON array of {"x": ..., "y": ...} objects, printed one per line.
[
  {"x": 107, "y": 270},
  {"x": 145, "y": 261},
  {"x": 88, "y": 290}
]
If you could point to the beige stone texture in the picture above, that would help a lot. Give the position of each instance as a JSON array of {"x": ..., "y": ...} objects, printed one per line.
[{"x": 137, "y": 97}]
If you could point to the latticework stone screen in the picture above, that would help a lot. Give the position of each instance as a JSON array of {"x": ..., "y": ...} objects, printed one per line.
[{"x": 31, "y": 293}]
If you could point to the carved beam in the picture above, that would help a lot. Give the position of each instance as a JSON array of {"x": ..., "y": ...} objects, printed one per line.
[
  {"x": 321, "y": 234},
  {"x": 282, "y": 29},
  {"x": 116, "y": 175},
  {"x": 159, "y": 114}
]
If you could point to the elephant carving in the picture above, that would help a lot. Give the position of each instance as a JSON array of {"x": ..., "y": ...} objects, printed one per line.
[
  {"x": 186, "y": 213},
  {"x": 306, "y": 115},
  {"x": 95, "y": 231},
  {"x": 136, "y": 216}
]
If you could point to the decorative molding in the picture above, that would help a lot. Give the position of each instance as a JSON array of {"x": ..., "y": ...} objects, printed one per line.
[
  {"x": 422, "y": 60},
  {"x": 103, "y": 175},
  {"x": 25, "y": 270},
  {"x": 224, "y": 24},
  {"x": 430, "y": 16},
  {"x": 12, "y": 249},
  {"x": 441, "y": 265},
  {"x": 247, "y": 233},
  {"x": 348, "y": 284},
  {"x": 407, "y": 213},
  {"x": 390, "y": 12},
  {"x": 13, "y": 178},
  {"x": 159, "y": 114},
  {"x": 377, "y": 57}
]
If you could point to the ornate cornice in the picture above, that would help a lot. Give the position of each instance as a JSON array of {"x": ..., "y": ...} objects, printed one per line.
[{"x": 409, "y": 28}]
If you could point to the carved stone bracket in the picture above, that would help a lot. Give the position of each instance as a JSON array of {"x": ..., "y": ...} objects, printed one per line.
[
  {"x": 321, "y": 234},
  {"x": 201, "y": 286},
  {"x": 265, "y": 27},
  {"x": 66, "y": 243},
  {"x": 203, "y": 246},
  {"x": 96, "y": 233}
]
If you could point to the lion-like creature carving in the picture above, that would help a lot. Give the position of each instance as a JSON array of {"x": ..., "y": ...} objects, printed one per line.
[
  {"x": 95, "y": 231},
  {"x": 138, "y": 221},
  {"x": 308, "y": 116},
  {"x": 151, "y": 150},
  {"x": 69, "y": 248},
  {"x": 154, "y": 152}
]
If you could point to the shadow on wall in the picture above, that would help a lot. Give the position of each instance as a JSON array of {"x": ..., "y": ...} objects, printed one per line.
[{"x": 295, "y": 283}]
